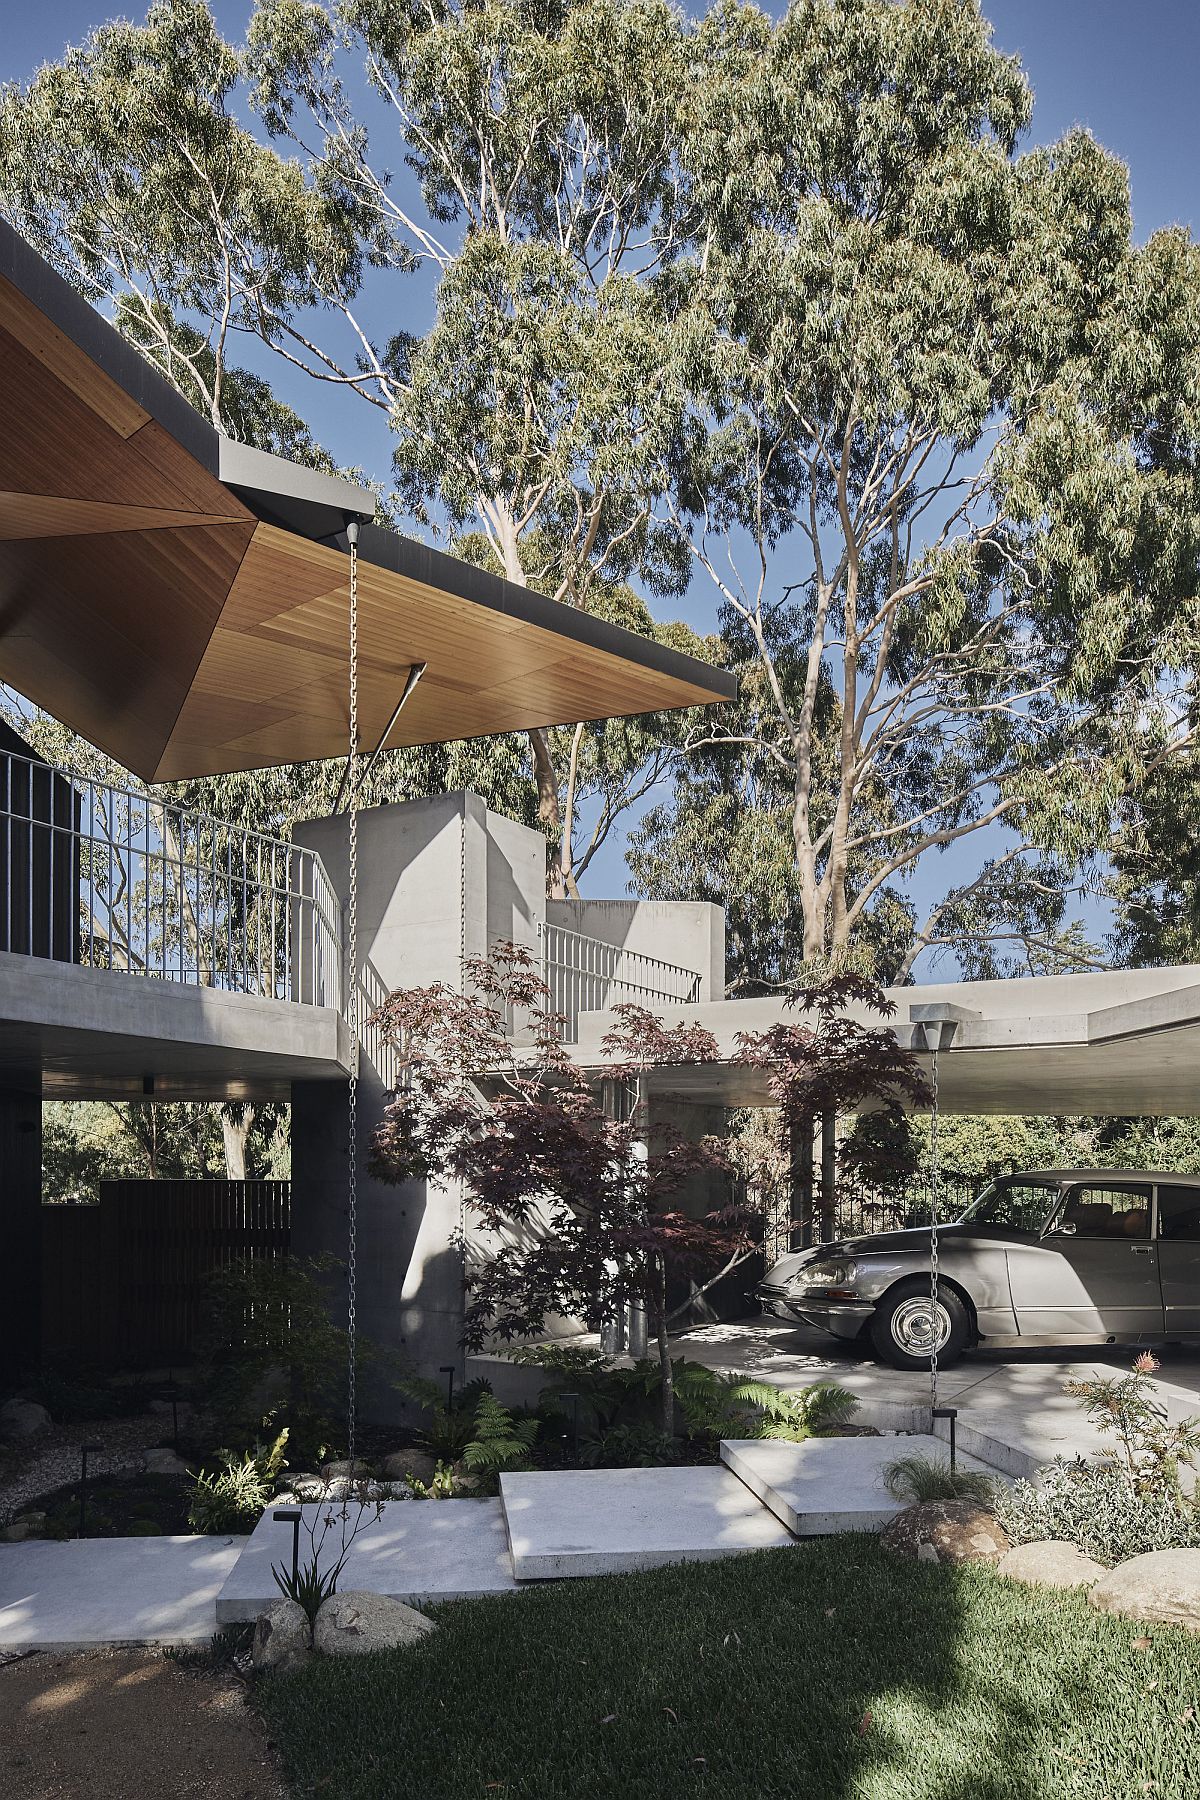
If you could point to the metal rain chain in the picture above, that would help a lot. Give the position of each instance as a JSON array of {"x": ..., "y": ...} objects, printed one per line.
[
  {"x": 352, "y": 1014},
  {"x": 936, "y": 1032}
]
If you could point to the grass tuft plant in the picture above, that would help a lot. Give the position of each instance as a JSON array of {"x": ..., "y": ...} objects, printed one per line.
[{"x": 919, "y": 1479}]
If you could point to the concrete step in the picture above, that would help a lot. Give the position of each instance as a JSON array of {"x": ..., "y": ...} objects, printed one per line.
[
  {"x": 414, "y": 1550},
  {"x": 829, "y": 1484},
  {"x": 606, "y": 1521}
]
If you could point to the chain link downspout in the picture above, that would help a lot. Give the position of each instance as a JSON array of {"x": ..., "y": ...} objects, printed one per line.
[
  {"x": 934, "y": 1197},
  {"x": 352, "y": 1017}
]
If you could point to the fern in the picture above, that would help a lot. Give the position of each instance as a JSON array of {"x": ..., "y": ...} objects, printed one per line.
[{"x": 500, "y": 1442}]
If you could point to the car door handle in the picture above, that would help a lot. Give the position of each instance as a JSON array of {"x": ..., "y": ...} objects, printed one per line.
[{"x": 1140, "y": 1249}]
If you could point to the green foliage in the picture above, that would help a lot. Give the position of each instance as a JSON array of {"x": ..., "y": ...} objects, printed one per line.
[
  {"x": 861, "y": 1676},
  {"x": 447, "y": 1428},
  {"x": 637, "y": 1445},
  {"x": 270, "y": 1348},
  {"x": 310, "y": 1586},
  {"x": 441, "y": 1487},
  {"x": 233, "y": 1498},
  {"x": 1094, "y": 1506},
  {"x": 917, "y": 1479},
  {"x": 498, "y": 1441},
  {"x": 1150, "y": 1451},
  {"x": 1126, "y": 1500}
]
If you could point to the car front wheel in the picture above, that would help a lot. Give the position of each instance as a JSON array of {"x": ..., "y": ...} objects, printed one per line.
[{"x": 907, "y": 1326}]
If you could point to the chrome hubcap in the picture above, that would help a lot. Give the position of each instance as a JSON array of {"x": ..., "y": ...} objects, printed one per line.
[{"x": 919, "y": 1327}]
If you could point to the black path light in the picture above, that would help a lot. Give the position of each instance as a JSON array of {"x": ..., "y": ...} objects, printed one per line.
[
  {"x": 85, "y": 1450},
  {"x": 934, "y": 1027},
  {"x": 291, "y": 1515}
]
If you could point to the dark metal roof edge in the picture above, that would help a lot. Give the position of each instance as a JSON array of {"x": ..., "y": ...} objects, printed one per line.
[
  {"x": 73, "y": 315},
  {"x": 91, "y": 332},
  {"x": 449, "y": 574}
]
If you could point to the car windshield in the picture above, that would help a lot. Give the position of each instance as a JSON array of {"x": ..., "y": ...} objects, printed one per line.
[{"x": 1014, "y": 1203}]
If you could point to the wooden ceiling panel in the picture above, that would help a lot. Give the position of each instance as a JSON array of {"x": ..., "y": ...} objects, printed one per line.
[
  {"x": 52, "y": 350},
  {"x": 45, "y": 515},
  {"x": 144, "y": 602}
]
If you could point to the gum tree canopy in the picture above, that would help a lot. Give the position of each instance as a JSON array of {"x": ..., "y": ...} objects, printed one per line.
[
  {"x": 943, "y": 484},
  {"x": 775, "y": 306}
]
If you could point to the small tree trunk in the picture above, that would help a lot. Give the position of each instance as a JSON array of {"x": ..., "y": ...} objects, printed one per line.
[
  {"x": 828, "y": 1176},
  {"x": 236, "y": 1133},
  {"x": 664, "y": 1351},
  {"x": 801, "y": 1137}
]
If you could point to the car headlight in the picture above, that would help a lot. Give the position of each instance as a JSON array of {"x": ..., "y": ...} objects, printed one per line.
[{"x": 839, "y": 1274}]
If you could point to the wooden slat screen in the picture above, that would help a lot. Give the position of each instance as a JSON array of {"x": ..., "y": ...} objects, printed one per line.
[{"x": 122, "y": 1281}]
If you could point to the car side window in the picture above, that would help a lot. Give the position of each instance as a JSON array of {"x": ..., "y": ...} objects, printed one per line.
[
  {"x": 1179, "y": 1214},
  {"x": 1095, "y": 1211}
]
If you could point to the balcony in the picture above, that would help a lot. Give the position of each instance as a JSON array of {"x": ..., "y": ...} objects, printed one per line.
[
  {"x": 588, "y": 975},
  {"x": 107, "y": 877}
]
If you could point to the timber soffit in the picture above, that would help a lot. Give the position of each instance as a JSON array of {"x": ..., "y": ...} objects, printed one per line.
[{"x": 180, "y": 599}]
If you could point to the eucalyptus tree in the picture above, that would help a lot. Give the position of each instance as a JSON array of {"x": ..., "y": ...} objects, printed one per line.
[
  {"x": 942, "y": 482},
  {"x": 544, "y": 198}
]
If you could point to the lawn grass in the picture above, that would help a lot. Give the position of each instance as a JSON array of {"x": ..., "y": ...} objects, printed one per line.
[{"x": 832, "y": 1671}]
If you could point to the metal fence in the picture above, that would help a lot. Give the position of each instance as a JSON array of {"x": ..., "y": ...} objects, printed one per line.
[
  {"x": 584, "y": 974},
  {"x": 116, "y": 878},
  {"x": 857, "y": 1211}
]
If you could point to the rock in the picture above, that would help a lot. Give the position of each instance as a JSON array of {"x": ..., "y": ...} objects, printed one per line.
[
  {"x": 346, "y": 1471},
  {"x": 282, "y": 1638},
  {"x": 420, "y": 1464},
  {"x": 22, "y": 1419},
  {"x": 162, "y": 1462},
  {"x": 17, "y": 1532},
  {"x": 947, "y": 1531},
  {"x": 1054, "y": 1563},
  {"x": 1162, "y": 1585},
  {"x": 356, "y": 1623}
]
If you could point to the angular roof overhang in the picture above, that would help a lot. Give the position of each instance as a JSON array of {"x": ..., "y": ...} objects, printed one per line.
[{"x": 181, "y": 600}]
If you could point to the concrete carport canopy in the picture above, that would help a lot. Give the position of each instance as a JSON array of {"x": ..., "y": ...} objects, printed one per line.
[
  {"x": 1115, "y": 1043},
  {"x": 181, "y": 600}
]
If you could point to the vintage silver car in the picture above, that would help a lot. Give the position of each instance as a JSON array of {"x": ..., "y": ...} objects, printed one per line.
[{"x": 1055, "y": 1256}]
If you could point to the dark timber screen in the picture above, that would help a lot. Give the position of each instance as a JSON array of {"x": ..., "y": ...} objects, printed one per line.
[{"x": 122, "y": 1282}]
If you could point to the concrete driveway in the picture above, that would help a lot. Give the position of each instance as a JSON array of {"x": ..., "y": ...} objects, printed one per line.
[{"x": 1012, "y": 1410}]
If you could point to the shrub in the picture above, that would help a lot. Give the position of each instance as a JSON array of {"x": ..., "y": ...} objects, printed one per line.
[
  {"x": 1096, "y": 1507},
  {"x": 919, "y": 1479},
  {"x": 449, "y": 1425},
  {"x": 1149, "y": 1451},
  {"x": 499, "y": 1441},
  {"x": 233, "y": 1498}
]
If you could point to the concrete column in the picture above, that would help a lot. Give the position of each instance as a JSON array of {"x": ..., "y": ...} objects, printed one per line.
[
  {"x": 21, "y": 1224},
  {"x": 438, "y": 879}
]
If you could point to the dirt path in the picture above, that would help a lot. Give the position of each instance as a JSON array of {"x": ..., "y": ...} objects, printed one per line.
[{"x": 127, "y": 1725}]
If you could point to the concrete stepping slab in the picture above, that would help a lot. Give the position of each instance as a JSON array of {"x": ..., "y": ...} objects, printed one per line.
[
  {"x": 138, "y": 1590},
  {"x": 415, "y": 1550},
  {"x": 605, "y": 1521},
  {"x": 828, "y": 1484}
]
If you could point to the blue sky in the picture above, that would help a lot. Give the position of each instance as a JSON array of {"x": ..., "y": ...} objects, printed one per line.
[{"x": 1127, "y": 71}]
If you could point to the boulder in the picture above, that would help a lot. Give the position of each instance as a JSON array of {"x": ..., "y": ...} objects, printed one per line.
[
  {"x": 1162, "y": 1586},
  {"x": 356, "y": 1623},
  {"x": 947, "y": 1531},
  {"x": 1053, "y": 1563},
  {"x": 421, "y": 1464},
  {"x": 22, "y": 1419},
  {"x": 346, "y": 1471},
  {"x": 163, "y": 1462},
  {"x": 282, "y": 1638}
]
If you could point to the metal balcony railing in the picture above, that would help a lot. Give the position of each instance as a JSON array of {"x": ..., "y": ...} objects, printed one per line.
[
  {"x": 115, "y": 878},
  {"x": 584, "y": 974}
]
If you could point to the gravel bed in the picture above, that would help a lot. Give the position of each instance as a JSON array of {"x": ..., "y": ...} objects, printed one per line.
[{"x": 51, "y": 1459}]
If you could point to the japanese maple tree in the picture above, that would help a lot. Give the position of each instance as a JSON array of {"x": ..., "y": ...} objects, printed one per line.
[{"x": 561, "y": 1169}]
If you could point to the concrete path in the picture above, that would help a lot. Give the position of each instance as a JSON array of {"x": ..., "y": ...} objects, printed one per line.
[
  {"x": 415, "y": 1550},
  {"x": 1013, "y": 1412},
  {"x": 78, "y": 1595}
]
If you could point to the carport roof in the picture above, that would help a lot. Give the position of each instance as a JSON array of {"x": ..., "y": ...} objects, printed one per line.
[
  {"x": 181, "y": 600},
  {"x": 1115, "y": 1043}
]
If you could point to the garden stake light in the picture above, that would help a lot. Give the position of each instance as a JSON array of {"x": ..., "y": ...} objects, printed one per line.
[
  {"x": 448, "y": 1370},
  {"x": 85, "y": 1450},
  {"x": 291, "y": 1515}
]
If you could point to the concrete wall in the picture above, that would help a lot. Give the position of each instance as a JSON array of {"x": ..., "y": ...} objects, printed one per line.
[
  {"x": 438, "y": 879},
  {"x": 688, "y": 933}
]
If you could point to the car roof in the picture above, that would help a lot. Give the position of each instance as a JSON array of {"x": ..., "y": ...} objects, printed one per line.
[{"x": 1099, "y": 1175}]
